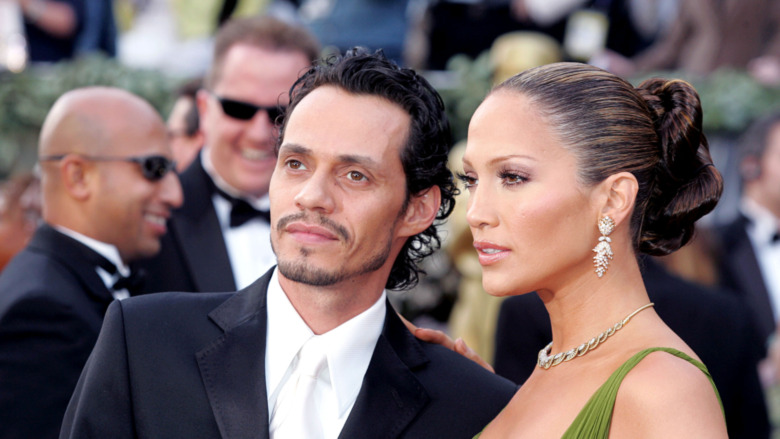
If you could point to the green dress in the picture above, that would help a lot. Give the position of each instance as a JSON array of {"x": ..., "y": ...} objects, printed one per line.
[{"x": 594, "y": 420}]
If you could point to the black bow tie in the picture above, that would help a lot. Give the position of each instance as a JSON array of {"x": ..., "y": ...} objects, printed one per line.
[
  {"x": 775, "y": 238},
  {"x": 241, "y": 211},
  {"x": 133, "y": 283}
]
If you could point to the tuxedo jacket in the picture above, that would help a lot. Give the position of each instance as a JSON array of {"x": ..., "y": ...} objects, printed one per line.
[
  {"x": 192, "y": 365},
  {"x": 193, "y": 255},
  {"x": 740, "y": 273},
  {"x": 716, "y": 325},
  {"x": 52, "y": 304}
]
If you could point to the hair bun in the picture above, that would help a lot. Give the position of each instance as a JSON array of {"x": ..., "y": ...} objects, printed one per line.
[{"x": 686, "y": 186}]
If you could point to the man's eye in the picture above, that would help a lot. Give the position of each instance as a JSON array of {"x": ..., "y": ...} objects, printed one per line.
[
  {"x": 356, "y": 176},
  {"x": 294, "y": 164}
]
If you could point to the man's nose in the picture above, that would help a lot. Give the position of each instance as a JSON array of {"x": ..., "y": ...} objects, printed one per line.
[
  {"x": 316, "y": 193},
  {"x": 170, "y": 190}
]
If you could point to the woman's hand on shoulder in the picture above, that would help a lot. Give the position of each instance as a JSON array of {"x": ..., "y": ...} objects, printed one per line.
[{"x": 667, "y": 397}]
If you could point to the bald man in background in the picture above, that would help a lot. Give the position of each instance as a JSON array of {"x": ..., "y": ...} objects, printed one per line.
[{"x": 107, "y": 191}]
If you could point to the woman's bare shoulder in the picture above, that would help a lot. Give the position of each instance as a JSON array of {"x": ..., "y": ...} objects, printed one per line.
[{"x": 667, "y": 396}]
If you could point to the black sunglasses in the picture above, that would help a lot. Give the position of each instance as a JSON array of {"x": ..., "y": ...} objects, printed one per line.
[
  {"x": 246, "y": 111},
  {"x": 153, "y": 167}
]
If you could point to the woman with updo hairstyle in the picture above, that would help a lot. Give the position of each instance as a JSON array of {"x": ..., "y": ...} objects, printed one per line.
[{"x": 572, "y": 174}]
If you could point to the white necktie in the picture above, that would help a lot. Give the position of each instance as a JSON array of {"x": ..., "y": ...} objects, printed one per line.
[{"x": 295, "y": 415}]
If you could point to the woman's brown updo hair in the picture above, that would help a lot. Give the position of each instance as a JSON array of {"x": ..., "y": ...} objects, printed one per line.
[{"x": 653, "y": 131}]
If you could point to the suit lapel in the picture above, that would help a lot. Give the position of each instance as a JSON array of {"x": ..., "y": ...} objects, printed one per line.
[
  {"x": 200, "y": 235},
  {"x": 233, "y": 372},
  {"x": 749, "y": 274},
  {"x": 391, "y": 396},
  {"x": 233, "y": 365},
  {"x": 71, "y": 253}
]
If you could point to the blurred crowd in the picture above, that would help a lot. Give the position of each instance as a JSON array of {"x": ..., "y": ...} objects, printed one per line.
[
  {"x": 731, "y": 269},
  {"x": 625, "y": 36}
]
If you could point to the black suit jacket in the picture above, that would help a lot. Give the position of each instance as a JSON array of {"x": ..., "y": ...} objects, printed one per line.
[
  {"x": 52, "y": 304},
  {"x": 714, "y": 324},
  {"x": 193, "y": 255},
  {"x": 192, "y": 365},
  {"x": 740, "y": 273}
]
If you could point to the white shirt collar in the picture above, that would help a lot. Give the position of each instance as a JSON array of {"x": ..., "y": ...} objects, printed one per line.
[
  {"x": 108, "y": 251},
  {"x": 349, "y": 347},
  {"x": 763, "y": 224}
]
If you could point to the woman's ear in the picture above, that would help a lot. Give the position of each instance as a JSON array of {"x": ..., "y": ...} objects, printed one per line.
[
  {"x": 618, "y": 193},
  {"x": 421, "y": 211}
]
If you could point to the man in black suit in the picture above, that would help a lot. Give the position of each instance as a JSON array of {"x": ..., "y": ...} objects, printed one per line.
[
  {"x": 361, "y": 177},
  {"x": 107, "y": 191},
  {"x": 749, "y": 250},
  {"x": 219, "y": 240},
  {"x": 714, "y": 324}
]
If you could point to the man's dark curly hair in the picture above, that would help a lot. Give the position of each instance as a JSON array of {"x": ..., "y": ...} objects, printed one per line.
[{"x": 424, "y": 157}]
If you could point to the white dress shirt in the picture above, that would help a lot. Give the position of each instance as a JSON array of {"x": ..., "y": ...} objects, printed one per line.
[
  {"x": 248, "y": 245},
  {"x": 762, "y": 228},
  {"x": 109, "y": 252},
  {"x": 349, "y": 349}
]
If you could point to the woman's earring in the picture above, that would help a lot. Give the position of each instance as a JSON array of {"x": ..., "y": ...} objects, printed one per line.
[{"x": 603, "y": 250}]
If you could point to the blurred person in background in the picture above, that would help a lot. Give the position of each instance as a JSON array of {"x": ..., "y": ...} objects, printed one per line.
[
  {"x": 342, "y": 24},
  {"x": 749, "y": 247},
  {"x": 62, "y": 29},
  {"x": 710, "y": 34},
  {"x": 184, "y": 124},
  {"x": 20, "y": 211},
  {"x": 107, "y": 190}
]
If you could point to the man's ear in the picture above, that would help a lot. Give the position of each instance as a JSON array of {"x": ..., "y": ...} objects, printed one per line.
[
  {"x": 421, "y": 211},
  {"x": 201, "y": 101},
  {"x": 750, "y": 168},
  {"x": 618, "y": 195},
  {"x": 76, "y": 176}
]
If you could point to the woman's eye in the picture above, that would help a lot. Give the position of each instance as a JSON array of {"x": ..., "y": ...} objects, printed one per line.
[
  {"x": 468, "y": 181},
  {"x": 356, "y": 176},
  {"x": 512, "y": 179}
]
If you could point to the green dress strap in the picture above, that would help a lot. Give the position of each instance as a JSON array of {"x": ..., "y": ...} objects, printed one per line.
[{"x": 595, "y": 418}]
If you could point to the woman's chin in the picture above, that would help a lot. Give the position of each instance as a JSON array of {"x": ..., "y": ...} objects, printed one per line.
[{"x": 501, "y": 289}]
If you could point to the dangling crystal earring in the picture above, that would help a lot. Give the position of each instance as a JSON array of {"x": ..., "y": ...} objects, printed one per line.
[{"x": 603, "y": 250}]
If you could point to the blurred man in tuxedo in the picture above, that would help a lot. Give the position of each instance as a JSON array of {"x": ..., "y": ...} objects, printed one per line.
[
  {"x": 749, "y": 254},
  {"x": 107, "y": 191},
  {"x": 219, "y": 240}
]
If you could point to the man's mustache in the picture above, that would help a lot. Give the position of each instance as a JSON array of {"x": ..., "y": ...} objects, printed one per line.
[{"x": 323, "y": 221}]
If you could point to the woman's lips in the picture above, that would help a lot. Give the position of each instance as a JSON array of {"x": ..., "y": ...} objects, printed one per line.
[{"x": 490, "y": 253}]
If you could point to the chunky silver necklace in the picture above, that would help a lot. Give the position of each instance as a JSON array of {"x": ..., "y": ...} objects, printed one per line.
[{"x": 545, "y": 361}]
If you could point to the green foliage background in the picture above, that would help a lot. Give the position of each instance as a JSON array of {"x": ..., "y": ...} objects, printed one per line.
[
  {"x": 731, "y": 99},
  {"x": 26, "y": 97}
]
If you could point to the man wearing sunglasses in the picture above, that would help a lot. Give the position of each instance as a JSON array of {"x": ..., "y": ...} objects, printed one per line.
[
  {"x": 219, "y": 240},
  {"x": 107, "y": 191}
]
